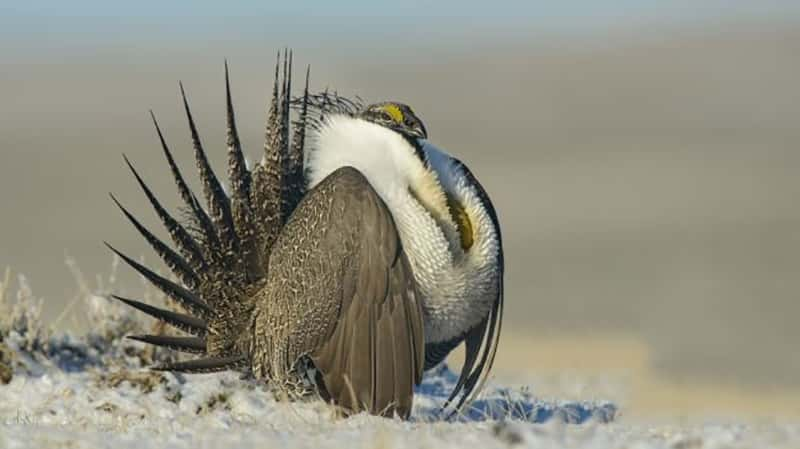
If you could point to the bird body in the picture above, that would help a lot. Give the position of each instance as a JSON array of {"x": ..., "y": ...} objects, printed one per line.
[{"x": 355, "y": 255}]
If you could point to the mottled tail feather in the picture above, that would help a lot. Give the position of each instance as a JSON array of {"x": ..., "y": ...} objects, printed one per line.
[
  {"x": 237, "y": 166},
  {"x": 218, "y": 202},
  {"x": 221, "y": 254},
  {"x": 191, "y": 345},
  {"x": 268, "y": 176},
  {"x": 181, "y": 295},
  {"x": 186, "y": 323},
  {"x": 206, "y": 365},
  {"x": 241, "y": 183},
  {"x": 176, "y": 263},
  {"x": 295, "y": 185},
  {"x": 200, "y": 221}
]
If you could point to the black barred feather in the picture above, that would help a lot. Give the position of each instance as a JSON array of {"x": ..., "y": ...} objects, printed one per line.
[
  {"x": 286, "y": 96},
  {"x": 216, "y": 198},
  {"x": 272, "y": 129},
  {"x": 200, "y": 220},
  {"x": 241, "y": 181},
  {"x": 208, "y": 365},
  {"x": 205, "y": 231},
  {"x": 183, "y": 188},
  {"x": 268, "y": 176},
  {"x": 237, "y": 166},
  {"x": 285, "y": 135},
  {"x": 248, "y": 240},
  {"x": 180, "y": 236},
  {"x": 191, "y": 345},
  {"x": 184, "y": 297},
  {"x": 174, "y": 261},
  {"x": 180, "y": 321},
  {"x": 295, "y": 185}
]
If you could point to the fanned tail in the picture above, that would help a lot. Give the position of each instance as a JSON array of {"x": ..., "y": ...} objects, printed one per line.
[{"x": 219, "y": 257}]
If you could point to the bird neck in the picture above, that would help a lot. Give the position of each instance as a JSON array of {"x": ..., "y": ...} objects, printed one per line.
[{"x": 458, "y": 285}]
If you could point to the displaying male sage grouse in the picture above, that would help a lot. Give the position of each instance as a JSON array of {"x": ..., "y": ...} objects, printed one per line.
[{"x": 352, "y": 257}]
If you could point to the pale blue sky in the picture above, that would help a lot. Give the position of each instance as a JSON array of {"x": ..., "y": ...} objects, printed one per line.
[
  {"x": 490, "y": 10},
  {"x": 112, "y": 19}
]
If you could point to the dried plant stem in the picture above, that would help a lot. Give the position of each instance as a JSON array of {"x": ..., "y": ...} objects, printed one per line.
[{"x": 4, "y": 287}]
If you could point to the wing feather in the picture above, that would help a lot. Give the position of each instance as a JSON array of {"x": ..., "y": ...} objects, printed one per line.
[
  {"x": 355, "y": 311},
  {"x": 382, "y": 321}
]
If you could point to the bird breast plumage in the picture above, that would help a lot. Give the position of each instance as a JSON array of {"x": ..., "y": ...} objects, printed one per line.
[{"x": 458, "y": 286}]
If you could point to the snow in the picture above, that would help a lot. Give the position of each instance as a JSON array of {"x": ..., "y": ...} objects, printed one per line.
[
  {"x": 95, "y": 391},
  {"x": 62, "y": 407}
]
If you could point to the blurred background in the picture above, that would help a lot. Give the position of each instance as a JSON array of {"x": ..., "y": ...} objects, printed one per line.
[{"x": 643, "y": 157}]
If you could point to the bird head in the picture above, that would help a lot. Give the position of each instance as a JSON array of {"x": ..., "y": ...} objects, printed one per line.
[
  {"x": 421, "y": 183},
  {"x": 431, "y": 187},
  {"x": 396, "y": 116}
]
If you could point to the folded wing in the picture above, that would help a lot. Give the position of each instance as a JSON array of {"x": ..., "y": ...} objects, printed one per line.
[{"x": 348, "y": 297}]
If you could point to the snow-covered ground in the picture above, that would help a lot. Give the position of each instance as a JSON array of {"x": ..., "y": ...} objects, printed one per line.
[
  {"x": 89, "y": 406},
  {"x": 94, "y": 391}
]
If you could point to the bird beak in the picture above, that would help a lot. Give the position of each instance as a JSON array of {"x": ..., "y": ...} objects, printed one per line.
[{"x": 420, "y": 131}]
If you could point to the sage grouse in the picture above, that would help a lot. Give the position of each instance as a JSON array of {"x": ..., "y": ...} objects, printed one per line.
[{"x": 351, "y": 258}]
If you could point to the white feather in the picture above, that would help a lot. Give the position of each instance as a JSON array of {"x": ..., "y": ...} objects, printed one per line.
[
  {"x": 372, "y": 149},
  {"x": 458, "y": 287}
]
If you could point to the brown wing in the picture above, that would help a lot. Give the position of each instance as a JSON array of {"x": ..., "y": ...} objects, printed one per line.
[
  {"x": 342, "y": 292},
  {"x": 375, "y": 354}
]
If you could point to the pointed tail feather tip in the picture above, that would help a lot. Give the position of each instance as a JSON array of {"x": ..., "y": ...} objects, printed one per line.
[
  {"x": 191, "y": 345},
  {"x": 171, "y": 289},
  {"x": 207, "y": 365},
  {"x": 186, "y": 323}
]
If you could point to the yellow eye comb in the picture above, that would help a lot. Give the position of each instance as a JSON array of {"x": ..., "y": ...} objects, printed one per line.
[{"x": 394, "y": 112}]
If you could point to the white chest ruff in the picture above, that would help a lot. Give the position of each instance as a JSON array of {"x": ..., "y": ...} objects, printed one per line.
[{"x": 457, "y": 287}]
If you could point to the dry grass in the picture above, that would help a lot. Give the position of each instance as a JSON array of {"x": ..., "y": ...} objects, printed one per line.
[{"x": 22, "y": 316}]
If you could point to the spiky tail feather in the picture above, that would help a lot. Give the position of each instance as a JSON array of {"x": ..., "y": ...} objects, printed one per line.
[{"x": 220, "y": 256}]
